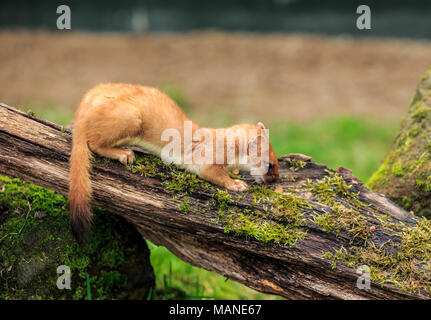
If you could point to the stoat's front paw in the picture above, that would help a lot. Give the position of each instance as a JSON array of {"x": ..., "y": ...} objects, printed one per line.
[
  {"x": 237, "y": 185},
  {"x": 127, "y": 156}
]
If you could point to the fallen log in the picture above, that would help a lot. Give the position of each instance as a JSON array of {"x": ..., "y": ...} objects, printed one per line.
[{"x": 317, "y": 234}]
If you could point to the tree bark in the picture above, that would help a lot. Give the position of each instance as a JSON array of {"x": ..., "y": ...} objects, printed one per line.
[
  {"x": 405, "y": 174},
  {"x": 288, "y": 243}
]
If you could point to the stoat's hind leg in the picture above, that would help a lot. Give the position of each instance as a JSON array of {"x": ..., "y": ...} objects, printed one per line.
[
  {"x": 111, "y": 123},
  {"x": 125, "y": 156}
]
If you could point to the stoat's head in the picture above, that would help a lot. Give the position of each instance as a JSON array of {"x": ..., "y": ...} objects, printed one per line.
[{"x": 262, "y": 160}]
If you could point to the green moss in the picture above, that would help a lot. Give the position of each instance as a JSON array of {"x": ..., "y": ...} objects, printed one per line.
[
  {"x": 415, "y": 98},
  {"x": 288, "y": 207},
  {"x": 414, "y": 130},
  {"x": 397, "y": 169},
  {"x": 284, "y": 206},
  {"x": 147, "y": 166},
  {"x": 343, "y": 219},
  {"x": 340, "y": 254},
  {"x": 419, "y": 165},
  {"x": 266, "y": 231},
  {"x": 31, "y": 113},
  {"x": 223, "y": 199},
  {"x": 296, "y": 165},
  {"x": 421, "y": 113},
  {"x": 172, "y": 177},
  {"x": 407, "y": 146},
  {"x": 380, "y": 177},
  {"x": 405, "y": 264},
  {"x": 183, "y": 181},
  {"x": 406, "y": 203},
  {"x": 260, "y": 191},
  {"x": 96, "y": 159},
  {"x": 423, "y": 184},
  {"x": 279, "y": 219},
  {"x": 342, "y": 215},
  {"x": 332, "y": 186},
  {"x": 185, "y": 206},
  {"x": 35, "y": 239}
]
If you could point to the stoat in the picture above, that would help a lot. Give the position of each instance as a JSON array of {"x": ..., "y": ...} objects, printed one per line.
[{"x": 112, "y": 116}]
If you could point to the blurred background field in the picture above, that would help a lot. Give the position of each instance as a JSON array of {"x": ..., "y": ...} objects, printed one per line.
[{"x": 325, "y": 92}]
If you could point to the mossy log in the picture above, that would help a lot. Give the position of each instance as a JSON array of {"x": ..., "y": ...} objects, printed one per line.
[
  {"x": 405, "y": 174},
  {"x": 303, "y": 238}
]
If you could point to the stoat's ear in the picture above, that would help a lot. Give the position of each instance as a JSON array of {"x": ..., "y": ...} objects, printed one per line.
[{"x": 262, "y": 127}]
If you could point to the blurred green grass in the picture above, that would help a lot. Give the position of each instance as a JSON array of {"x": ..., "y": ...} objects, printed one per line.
[
  {"x": 176, "y": 279},
  {"x": 358, "y": 144},
  {"x": 50, "y": 113},
  {"x": 353, "y": 143}
]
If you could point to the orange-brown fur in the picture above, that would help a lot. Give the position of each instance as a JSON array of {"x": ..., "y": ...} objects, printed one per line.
[{"x": 113, "y": 115}]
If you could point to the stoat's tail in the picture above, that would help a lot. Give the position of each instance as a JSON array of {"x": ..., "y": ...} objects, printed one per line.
[{"x": 79, "y": 186}]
